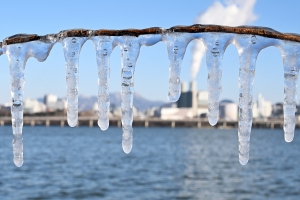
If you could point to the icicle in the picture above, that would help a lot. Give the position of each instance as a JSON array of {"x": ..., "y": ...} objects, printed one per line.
[
  {"x": 176, "y": 44},
  {"x": 104, "y": 46},
  {"x": 291, "y": 64},
  {"x": 215, "y": 45},
  {"x": 17, "y": 56},
  {"x": 130, "y": 48},
  {"x": 72, "y": 47},
  {"x": 248, "y": 51}
]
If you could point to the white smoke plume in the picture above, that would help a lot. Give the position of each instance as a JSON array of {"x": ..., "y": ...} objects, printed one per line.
[{"x": 233, "y": 13}]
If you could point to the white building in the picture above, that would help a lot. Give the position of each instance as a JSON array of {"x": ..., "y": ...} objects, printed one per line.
[
  {"x": 176, "y": 113},
  {"x": 228, "y": 110},
  {"x": 202, "y": 98},
  {"x": 33, "y": 106},
  {"x": 50, "y": 98},
  {"x": 261, "y": 108},
  {"x": 53, "y": 103}
]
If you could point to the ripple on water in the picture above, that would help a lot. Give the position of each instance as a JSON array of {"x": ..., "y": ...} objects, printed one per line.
[{"x": 180, "y": 163}]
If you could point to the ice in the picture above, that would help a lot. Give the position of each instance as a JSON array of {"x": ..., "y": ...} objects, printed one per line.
[
  {"x": 130, "y": 48},
  {"x": 247, "y": 56},
  {"x": 149, "y": 39},
  {"x": 103, "y": 46},
  {"x": 72, "y": 47},
  {"x": 176, "y": 46},
  {"x": 215, "y": 44},
  {"x": 17, "y": 57},
  {"x": 291, "y": 64},
  {"x": 248, "y": 47}
]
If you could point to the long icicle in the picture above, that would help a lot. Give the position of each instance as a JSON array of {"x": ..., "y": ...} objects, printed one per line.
[
  {"x": 291, "y": 64},
  {"x": 248, "y": 52},
  {"x": 215, "y": 45},
  {"x": 72, "y": 47},
  {"x": 104, "y": 46},
  {"x": 130, "y": 49},
  {"x": 17, "y": 68},
  {"x": 17, "y": 57},
  {"x": 176, "y": 46}
]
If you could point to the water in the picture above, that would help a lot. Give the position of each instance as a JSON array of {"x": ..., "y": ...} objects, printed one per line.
[{"x": 180, "y": 163}]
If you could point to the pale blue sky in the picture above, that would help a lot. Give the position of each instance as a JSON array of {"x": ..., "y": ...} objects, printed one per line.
[{"x": 151, "y": 76}]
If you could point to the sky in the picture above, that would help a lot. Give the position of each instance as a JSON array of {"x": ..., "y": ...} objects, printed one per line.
[{"x": 151, "y": 75}]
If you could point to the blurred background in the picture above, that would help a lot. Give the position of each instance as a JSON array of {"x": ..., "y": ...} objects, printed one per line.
[{"x": 188, "y": 161}]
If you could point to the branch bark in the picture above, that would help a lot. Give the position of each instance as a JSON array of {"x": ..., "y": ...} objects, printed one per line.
[{"x": 196, "y": 28}]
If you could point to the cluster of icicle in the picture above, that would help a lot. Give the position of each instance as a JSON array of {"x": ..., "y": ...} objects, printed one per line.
[{"x": 248, "y": 48}]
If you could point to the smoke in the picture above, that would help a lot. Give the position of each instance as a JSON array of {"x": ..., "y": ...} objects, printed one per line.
[{"x": 233, "y": 13}]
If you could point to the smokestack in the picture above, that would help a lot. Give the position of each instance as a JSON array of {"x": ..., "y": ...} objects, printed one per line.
[
  {"x": 194, "y": 94},
  {"x": 184, "y": 87},
  {"x": 182, "y": 101},
  {"x": 193, "y": 86}
]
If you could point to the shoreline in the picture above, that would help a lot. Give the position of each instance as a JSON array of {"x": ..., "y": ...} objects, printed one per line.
[{"x": 147, "y": 122}]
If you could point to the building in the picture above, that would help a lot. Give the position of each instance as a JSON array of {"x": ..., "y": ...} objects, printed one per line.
[
  {"x": 261, "y": 108},
  {"x": 176, "y": 113},
  {"x": 31, "y": 106},
  {"x": 228, "y": 110},
  {"x": 54, "y": 104},
  {"x": 50, "y": 99},
  {"x": 277, "y": 110},
  {"x": 202, "y": 100},
  {"x": 192, "y": 103},
  {"x": 152, "y": 112}
]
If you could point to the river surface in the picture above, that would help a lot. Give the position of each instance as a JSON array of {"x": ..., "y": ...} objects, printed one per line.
[{"x": 165, "y": 163}]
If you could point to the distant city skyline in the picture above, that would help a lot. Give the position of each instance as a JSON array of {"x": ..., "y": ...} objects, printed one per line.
[
  {"x": 151, "y": 76},
  {"x": 94, "y": 97},
  {"x": 192, "y": 103},
  {"x": 40, "y": 98}
]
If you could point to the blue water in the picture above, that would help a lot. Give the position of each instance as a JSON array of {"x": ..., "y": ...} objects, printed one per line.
[{"x": 165, "y": 163}]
